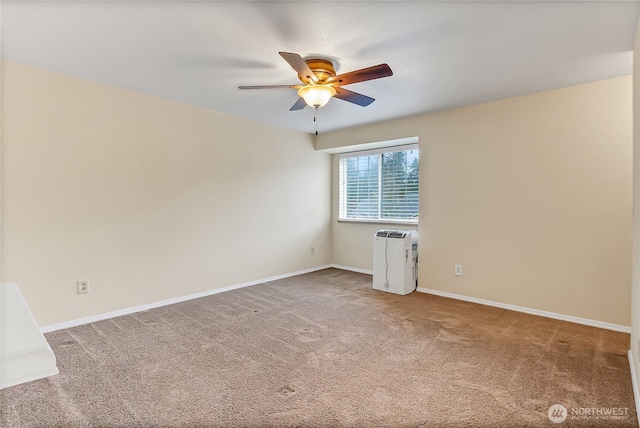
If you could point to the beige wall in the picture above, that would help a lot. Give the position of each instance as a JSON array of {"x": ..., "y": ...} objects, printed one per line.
[
  {"x": 146, "y": 198},
  {"x": 635, "y": 283},
  {"x": 532, "y": 195}
]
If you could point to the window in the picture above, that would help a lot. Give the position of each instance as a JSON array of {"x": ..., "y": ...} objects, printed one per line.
[{"x": 380, "y": 184}]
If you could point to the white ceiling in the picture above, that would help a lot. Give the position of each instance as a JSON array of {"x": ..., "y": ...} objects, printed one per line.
[{"x": 443, "y": 54}]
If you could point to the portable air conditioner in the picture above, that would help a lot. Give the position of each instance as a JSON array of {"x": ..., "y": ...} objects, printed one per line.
[{"x": 395, "y": 253}]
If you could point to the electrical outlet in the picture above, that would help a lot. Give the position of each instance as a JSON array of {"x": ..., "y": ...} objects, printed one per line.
[
  {"x": 83, "y": 286},
  {"x": 458, "y": 270},
  {"x": 313, "y": 251}
]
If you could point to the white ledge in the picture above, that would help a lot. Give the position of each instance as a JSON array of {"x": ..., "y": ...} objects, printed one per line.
[{"x": 25, "y": 354}]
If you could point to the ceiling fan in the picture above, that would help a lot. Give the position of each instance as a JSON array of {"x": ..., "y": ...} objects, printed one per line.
[{"x": 320, "y": 81}]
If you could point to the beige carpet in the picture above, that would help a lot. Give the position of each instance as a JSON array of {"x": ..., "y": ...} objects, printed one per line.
[{"x": 326, "y": 350}]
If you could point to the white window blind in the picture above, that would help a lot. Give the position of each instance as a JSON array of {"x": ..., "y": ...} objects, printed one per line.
[{"x": 380, "y": 184}]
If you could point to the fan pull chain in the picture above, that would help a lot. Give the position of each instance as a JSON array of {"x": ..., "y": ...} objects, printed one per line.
[{"x": 315, "y": 119}]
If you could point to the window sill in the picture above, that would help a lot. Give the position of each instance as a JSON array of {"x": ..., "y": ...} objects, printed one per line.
[{"x": 389, "y": 222}]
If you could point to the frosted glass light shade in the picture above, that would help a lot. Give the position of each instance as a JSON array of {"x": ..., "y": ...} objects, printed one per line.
[{"x": 316, "y": 95}]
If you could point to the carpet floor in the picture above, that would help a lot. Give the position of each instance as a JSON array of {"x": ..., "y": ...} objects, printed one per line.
[{"x": 326, "y": 350}]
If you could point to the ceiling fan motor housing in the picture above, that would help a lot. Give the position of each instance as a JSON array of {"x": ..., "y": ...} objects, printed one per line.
[{"x": 322, "y": 68}]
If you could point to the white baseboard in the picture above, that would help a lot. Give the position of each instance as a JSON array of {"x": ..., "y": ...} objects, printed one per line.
[
  {"x": 127, "y": 311},
  {"x": 352, "y": 269},
  {"x": 538, "y": 312},
  {"x": 636, "y": 396}
]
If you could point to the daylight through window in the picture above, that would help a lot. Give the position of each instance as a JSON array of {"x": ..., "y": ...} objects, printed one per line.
[{"x": 380, "y": 184}]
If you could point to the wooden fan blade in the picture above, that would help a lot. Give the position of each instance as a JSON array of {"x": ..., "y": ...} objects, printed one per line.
[
  {"x": 369, "y": 73},
  {"x": 270, "y": 87},
  {"x": 300, "y": 66},
  {"x": 353, "y": 97},
  {"x": 299, "y": 105}
]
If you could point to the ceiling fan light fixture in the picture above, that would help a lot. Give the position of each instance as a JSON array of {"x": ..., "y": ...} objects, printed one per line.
[{"x": 316, "y": 95}]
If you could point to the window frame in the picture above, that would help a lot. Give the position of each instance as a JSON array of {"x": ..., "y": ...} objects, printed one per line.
[{"x": 342, "y": 194}]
